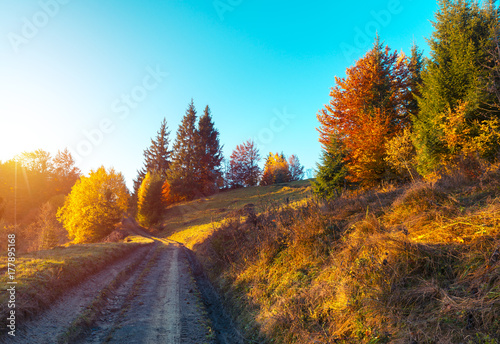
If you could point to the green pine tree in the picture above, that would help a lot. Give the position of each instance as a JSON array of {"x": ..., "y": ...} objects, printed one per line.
[
  {"x": 455, "y": 74},
  {"x": 332, "y": 172},
  {"x": 415, "y": 67},
  {"x": 158, "y": 156},
  {"x": 209, "y": 155},
  {"x": 183, "y": 172},
  {"x": 157, "y": 159}
]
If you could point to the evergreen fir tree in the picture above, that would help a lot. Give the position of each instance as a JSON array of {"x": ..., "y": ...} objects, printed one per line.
[
  {"x": 332, "y": 172},
  {"x": 456, "y": 74},
  {"x": 209, "y": 155},
  {"x": 157, "y": 159},
  {"x": 415, "y": 67},
  {"x": 183, "y": 178},
  {"x": 158, "y": 156}
]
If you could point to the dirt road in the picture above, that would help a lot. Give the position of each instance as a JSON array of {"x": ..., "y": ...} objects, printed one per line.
[{"x": 160, "y": 300}]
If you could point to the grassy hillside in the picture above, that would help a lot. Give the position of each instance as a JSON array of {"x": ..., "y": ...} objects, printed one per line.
[
  {"x": 416, "y": 264},
  {"x": 192, "y": 222}
]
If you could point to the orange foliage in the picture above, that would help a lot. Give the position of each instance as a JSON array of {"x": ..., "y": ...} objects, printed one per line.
[
  {"x": 368, "y": 107},
  {"x": 167, "y": 196}
]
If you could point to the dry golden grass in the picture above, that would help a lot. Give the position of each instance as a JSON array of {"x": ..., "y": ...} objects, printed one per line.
[
  {"x": 192, "y": 222},
  {"x": 416, "y": 264}
]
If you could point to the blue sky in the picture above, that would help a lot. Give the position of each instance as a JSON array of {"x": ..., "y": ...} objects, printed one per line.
[{"x": 99, "y": 76}]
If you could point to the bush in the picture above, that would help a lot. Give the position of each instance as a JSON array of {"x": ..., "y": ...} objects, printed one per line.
[{"x": 400, "y": 154}]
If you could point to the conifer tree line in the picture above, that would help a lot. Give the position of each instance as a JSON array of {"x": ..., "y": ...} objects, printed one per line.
[
  {"x": 193, "y": 167},
  {"x": 398, "y": 117}
]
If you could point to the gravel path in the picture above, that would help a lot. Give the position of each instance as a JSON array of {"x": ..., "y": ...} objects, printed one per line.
[
  {"x": 163, "y": 308},
  {"x": 46, "y": 327},
  {"x": 164, "y": 298}
]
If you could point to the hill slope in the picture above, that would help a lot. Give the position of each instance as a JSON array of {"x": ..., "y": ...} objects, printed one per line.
[
  {"x": 192, "y": 222},
  {"x": 416, "y": 264}
]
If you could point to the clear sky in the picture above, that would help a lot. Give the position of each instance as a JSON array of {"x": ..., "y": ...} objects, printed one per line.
[{"x": 99, "y": 76}]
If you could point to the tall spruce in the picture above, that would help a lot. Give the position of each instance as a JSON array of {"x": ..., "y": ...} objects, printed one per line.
[
  {"x": 184, "y": 169},
  {"x": 456, "y": 74},
  {"x": 415, "y": 67},
  {"x": 157, "y": 158},
  {"x": 209, "y": 155}
]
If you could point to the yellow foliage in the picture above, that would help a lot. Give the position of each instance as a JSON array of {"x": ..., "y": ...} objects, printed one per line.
[
  {"x": 96, "y": 203},
  {"x": 276, "y": 170},
  {"x": 400, "y": 153},
  {"x": 151, "y": 199},
  {"x": 468, "y": 143}
]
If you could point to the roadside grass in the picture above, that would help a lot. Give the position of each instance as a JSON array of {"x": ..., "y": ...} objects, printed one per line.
[
  {"x": 43, "y": 276},
  {"x": 192, "y": 222},
  {"x": 414, "y": 264}
]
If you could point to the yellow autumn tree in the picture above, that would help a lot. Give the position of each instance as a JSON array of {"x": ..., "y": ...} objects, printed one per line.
[
  {"x": 96, "y": 203},
  {"x": 276, "y": 170}
]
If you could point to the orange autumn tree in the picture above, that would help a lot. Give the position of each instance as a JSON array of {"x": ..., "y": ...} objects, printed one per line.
[{"x": 367, "y": 108}]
